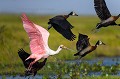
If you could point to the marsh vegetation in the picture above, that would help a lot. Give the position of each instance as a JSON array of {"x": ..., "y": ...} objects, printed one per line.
[{"x": 14, "y": 37}]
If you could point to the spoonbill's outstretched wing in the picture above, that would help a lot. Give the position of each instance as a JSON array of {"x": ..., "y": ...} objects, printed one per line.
[
  {"x": 38, "y": 35},
  {"x": 101, "y": 9}
]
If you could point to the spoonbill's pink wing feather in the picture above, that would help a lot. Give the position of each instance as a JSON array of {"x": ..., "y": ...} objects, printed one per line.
[
  {"x": 35, "y": 35},
  {"x": 45, "y": 35}
]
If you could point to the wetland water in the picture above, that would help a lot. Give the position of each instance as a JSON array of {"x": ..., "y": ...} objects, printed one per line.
[{"x": 110, "y": 62}]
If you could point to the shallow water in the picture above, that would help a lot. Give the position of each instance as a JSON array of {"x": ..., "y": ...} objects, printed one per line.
[
  {"x": 22, "y": 77},
  {"x": 105, "y": 62}
]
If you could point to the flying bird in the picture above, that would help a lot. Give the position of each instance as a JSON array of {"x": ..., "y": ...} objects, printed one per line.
[
  {"x": 82, "y": 43},
  {"x": 83, "y": 46},
  {"x": 38, "y": 41},
  {"x": 61, "y": 25},
  {"x": 104, "y": 14},
  {"x": 35, "y": 67}
]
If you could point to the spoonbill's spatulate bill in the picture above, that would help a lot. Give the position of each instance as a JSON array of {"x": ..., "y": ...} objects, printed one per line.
[
  {"x": 61, "y": 25},
  {"x": 104, "y": 14},
  {"x": 35, "y": 67},
  {"x": 38, "y": 41},
  {"x": 83, "y": 46}
]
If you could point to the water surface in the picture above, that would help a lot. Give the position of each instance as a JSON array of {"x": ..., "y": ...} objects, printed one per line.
[{"x": 105, "y": 62}]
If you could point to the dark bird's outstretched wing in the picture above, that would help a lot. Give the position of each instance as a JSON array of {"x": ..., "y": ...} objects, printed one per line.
[
  {"x": 67, "y": 33},
  {"x": 24, "y": 55},
  {"x": 36, "y": 66},
  {"x": 61, "y": 25},
  {"x": 101, "y": 9},
  {"x": 83, "y": 42},
  {"x": 61, "y": 21}
]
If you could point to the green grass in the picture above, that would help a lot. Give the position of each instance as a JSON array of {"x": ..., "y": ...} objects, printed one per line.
[{"x": 14, "y": 37}]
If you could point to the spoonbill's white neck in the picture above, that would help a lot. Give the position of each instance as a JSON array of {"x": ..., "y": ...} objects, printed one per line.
[{"x": 52, "y": 52}]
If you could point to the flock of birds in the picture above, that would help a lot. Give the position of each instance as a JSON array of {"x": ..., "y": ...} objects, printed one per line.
[{"x": 39, "y": 37}]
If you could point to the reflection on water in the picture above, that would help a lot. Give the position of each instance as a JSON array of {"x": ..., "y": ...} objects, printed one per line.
[{"x": 105, "y": 62}]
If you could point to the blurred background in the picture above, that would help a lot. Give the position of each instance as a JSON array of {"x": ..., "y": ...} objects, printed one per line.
[
  {"x": 13, "y": 36},
  {"x": 82, "y": 7}
]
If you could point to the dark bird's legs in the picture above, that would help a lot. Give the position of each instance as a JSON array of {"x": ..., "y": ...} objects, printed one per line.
[
  {"x": 95, "y": 30},
  {"x": 100, "y": 25}
]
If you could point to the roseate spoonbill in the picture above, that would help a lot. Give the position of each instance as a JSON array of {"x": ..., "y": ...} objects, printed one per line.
[
  {"x": 61, "y": 25},
  {"x": 38, "y": 41},
  {"x": 103, "y": 13},
  {"x": 35, "y": 67},
  {"x": 83, "y": 46}
]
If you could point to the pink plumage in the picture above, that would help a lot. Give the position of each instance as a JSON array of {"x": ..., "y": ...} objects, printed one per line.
[
  {"x": 38, "y": 35},
  {"x": 38, "y": 41}
]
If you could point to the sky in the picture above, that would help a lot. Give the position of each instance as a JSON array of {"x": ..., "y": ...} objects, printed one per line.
[{"x": 83, "y": 7}]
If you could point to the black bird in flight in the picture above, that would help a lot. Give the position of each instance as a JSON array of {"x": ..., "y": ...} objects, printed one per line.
[
  {"x": 61, "y": 25},
  {"x": 104, "y": 14},
  {"x": 83, "y": 46},
  {"x": 35, "y": 67}
]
